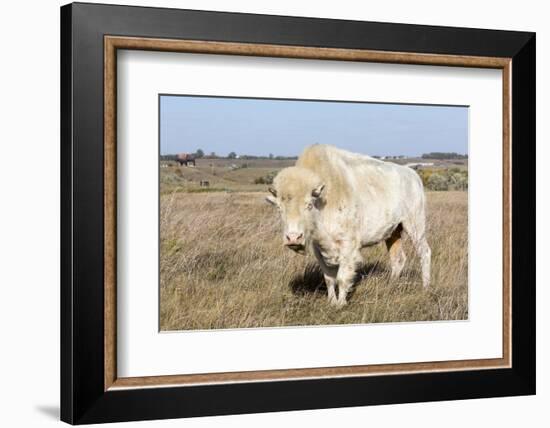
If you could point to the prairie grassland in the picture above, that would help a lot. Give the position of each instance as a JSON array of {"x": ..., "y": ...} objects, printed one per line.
[
  {"x": 219, "y": 174},
  {"x": 223, "y": 265}
]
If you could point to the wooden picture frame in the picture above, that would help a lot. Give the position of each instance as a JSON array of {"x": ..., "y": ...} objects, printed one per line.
[{"x": 91, "y": 390}]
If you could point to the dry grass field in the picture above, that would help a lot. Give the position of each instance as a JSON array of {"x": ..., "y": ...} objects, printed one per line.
[
  {"x": 223, "y": 265},
  {"x": 234, "y": 175}
]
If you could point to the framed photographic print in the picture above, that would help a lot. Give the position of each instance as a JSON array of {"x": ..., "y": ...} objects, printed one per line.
[{"x": 265, "y": 213}]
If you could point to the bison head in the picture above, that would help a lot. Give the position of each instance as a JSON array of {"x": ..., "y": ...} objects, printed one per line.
[{"x": 297, "y": 193}]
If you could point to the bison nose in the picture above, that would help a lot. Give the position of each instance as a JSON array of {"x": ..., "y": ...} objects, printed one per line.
[{"x": 294, "y": 238}]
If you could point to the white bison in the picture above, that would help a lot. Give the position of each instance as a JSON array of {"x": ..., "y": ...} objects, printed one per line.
[{"x": 334, "y": 202}]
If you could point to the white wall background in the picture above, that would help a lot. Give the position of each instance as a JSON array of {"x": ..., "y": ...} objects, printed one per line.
[{"x": 29, "y": 212}]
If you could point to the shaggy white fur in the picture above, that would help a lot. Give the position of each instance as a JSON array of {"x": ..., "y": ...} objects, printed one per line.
[{"x": 334, "y": 202}]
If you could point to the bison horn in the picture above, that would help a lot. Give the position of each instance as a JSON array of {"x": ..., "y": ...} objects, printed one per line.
[{"x": 317, "y": 191}]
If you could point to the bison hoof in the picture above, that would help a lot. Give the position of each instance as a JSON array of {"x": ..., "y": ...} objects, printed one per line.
[{"x": 338, "y": 303}]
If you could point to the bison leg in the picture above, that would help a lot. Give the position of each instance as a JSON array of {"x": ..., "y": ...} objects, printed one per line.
[
  {"x": 346, "y": 276},
  {"x": 395, "y": 249},
  {"x": 416, "y": 232},
  {"x": 425, "y": 253},
  {"x": 330, "y": 282}
]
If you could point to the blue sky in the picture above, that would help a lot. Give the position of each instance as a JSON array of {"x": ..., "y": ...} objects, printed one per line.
[{"x": 285, "y": 127}]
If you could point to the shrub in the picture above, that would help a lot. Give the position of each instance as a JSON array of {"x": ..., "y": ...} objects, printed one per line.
[
  {"x": 437, "y": 182},
  {"x": 444, "y": 179},
  {"x": 266, "y": 179},
  {"x": 459, "y": 181}
]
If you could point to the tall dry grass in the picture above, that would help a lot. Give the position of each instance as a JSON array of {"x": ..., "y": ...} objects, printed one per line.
[{"x": 223, "y": 265}]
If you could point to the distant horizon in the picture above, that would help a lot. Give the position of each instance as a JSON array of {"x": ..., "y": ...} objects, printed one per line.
[
  {"x": 207, "y": 154},
  {"x": 247, "y": 125}
]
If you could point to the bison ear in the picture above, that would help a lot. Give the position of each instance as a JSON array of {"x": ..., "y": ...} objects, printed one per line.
[
  {"x": 316, "y": 192},
  {"x": 272, "y": 191}
]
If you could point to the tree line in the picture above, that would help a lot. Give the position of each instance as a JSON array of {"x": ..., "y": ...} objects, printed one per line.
[
  {"x": 200, "y": 154},
  {"x": 233, "y": 155},
  {"x": 443, "y": 155}
]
